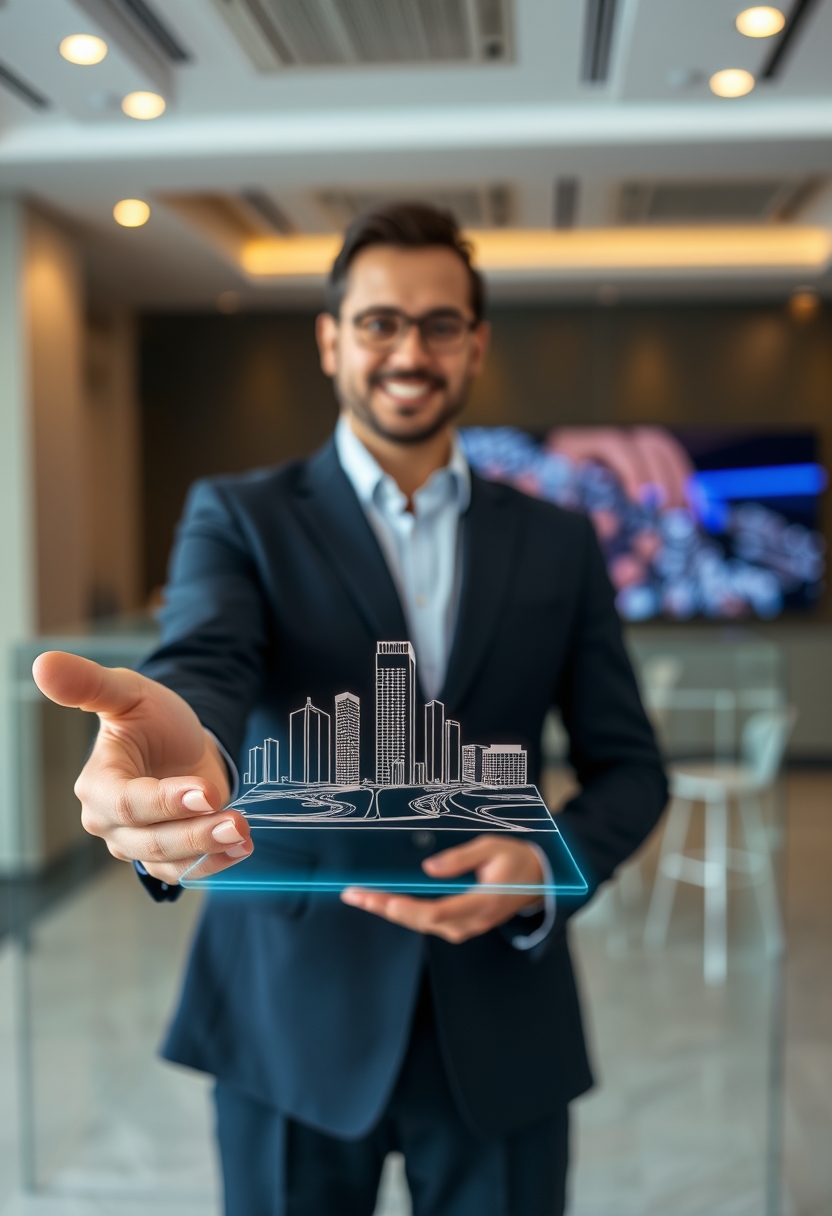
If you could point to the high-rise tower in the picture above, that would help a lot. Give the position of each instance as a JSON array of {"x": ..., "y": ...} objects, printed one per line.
[
  {"x": 347, "y": 739},
  {"x": 435, "y": 741},
  {"x": 395, "y": 713},
  {"x": 309, "y": 744},
  {"x": 453, "y": 751}
]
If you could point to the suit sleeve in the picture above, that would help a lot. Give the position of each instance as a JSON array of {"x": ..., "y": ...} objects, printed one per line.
[
  {"x": 612, "y": 746},
  {"x": 215, "y": 631}
]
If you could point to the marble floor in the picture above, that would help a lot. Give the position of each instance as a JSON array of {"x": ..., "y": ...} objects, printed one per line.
[{"x": 680, "y": 1123}]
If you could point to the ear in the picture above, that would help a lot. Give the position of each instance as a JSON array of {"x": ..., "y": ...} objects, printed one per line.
[
  {"x": 481, "y": 341},
  {"x": 326, "y": 332}
]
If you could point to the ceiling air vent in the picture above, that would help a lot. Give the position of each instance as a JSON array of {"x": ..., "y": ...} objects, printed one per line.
[
  {"x": 707, "y": 202},
  {"x": 472, "y": 206},
  {"x": 312, "y": 33}
]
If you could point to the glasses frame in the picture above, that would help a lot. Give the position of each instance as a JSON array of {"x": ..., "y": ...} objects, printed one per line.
[{"x": 409, "y": 322}]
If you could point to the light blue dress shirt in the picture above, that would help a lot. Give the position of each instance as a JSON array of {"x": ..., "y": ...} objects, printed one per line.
[
  {"x": 421, "y": 546},
  {"x": 422, "y": 552}
]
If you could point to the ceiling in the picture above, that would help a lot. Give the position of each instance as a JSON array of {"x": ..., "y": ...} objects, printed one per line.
[{"x": 285, "y": 117}]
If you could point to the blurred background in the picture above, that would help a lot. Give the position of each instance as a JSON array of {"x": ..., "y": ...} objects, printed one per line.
[{"x": 648, "y": 188}]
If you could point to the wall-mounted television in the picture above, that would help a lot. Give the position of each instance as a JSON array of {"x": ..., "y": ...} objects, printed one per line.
[{"x": 693, "y": 523}]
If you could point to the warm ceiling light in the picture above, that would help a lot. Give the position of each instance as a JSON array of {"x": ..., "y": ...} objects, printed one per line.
[
  {"x": 765, "y": 247},
  {"x": 760, "y": 22},
  {"x": 143, "y": 105},
  {"x": 731, "y": 82},
  {"x": 85, "y": 49},
  {"x": 804, "y": 304},
  {"x": 131, "y": 213}
]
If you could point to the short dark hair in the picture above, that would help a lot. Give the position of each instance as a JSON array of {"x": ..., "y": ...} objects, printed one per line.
[{"x": 406, "y": 226}]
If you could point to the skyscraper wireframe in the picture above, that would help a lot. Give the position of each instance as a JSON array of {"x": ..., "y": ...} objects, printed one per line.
[
  {"x": 347, "y": 739},
  {"x": 435, "y": 741},
  {"x": 395, "y": 713},
  {"x": 271, "y": 751},
  {"x": 453, "y": 751},
  {"x": 309, "y": 744}
]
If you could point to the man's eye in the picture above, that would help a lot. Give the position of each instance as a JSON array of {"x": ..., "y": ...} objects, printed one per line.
[
  {"x": 380, "y": 327},
  {"x": 443, "y": 328}
]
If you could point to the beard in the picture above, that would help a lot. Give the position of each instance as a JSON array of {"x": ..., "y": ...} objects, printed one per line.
[{"x": 360, "y": 404}]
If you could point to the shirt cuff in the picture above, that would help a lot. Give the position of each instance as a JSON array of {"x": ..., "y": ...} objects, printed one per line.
[
  {"x": 233, "y": 771},
  {"x": 162, "y": 892},
  {"x": 550, "y": 906}
]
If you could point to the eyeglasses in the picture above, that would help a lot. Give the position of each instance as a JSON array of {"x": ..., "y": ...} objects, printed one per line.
[{"x": 384, "y": 329}]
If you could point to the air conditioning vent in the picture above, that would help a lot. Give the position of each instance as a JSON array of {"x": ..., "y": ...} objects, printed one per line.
[
  {"x": 704, "y": 202},
  {"x": 472, "y": 206},
  {"x": 283, "y": 33}
]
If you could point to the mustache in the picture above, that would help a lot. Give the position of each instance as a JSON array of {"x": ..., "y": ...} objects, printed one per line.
[{"x": 377, "y": 379}]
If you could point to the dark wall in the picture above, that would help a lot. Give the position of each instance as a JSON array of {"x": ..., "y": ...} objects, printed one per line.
[{"x": 222, "y": 394}]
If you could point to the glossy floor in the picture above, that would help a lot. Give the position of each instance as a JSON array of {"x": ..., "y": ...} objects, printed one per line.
[{"x": 678, "y": 1124}]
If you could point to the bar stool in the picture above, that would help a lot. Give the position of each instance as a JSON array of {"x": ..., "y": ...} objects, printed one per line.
[{"x": 719, "y": 786}]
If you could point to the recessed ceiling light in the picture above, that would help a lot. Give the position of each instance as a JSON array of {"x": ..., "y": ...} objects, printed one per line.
[
  {"x": 131, "y": 213},
  {"x": 760, "y": 22},
  {"x": 731, "y": 82},
  {"x": 83, "y": 48},
  {"x": 143, "y": 105}
]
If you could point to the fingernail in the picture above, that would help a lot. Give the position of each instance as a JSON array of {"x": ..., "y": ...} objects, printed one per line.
[
  {"x": 351, "y": 896},
  {"x": 195, "y": 800},
  {"x": 226, "y": 833},
  {"x": 239, "y": 850}
]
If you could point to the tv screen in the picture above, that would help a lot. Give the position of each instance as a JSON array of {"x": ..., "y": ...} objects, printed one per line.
[{"x": 692, "y": 523}]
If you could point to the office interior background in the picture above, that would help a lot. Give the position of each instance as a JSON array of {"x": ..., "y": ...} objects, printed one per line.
[{"x": 648, "y": 188}]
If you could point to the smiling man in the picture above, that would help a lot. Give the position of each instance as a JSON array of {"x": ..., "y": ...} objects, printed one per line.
[{"x": 339, "y": 1030}]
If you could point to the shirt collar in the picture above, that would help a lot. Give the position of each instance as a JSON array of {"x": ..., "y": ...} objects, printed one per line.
[{"x": 367, "y": 476}]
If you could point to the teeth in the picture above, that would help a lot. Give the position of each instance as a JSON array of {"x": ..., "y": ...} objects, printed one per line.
[{"x": 405, "y": 390}]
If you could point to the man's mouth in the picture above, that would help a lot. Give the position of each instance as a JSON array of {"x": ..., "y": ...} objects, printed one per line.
[{"x": 408, "y": 389}]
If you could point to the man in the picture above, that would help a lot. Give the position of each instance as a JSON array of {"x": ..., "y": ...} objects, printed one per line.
[{"x": 338, "y": 1030}]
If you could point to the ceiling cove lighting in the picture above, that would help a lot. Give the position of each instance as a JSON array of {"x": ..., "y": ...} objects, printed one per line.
[
  {"x": 85, "y": 49},
  {"x": 131, "y": 213},
  {"x": 748, "y": 248},
  {"x": 731, "y": 82},
  {"x": 760, "y": 22},
  {"x": 143, "y": 105}
]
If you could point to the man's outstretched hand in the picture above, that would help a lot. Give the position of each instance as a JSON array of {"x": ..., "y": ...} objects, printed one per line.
[
  {"x": 155, "y": 784},
  {"x": 494, "y": 859}
]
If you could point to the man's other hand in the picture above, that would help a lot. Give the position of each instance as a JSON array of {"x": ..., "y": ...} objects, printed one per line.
[
  {"x": 155, "y": 783},
  {"x": 457, "y": 918}
]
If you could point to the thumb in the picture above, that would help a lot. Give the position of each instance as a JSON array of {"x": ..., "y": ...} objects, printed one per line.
[{"x": 67, "y": 679}]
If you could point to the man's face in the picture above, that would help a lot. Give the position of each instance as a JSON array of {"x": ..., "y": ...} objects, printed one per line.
[{"x": 408, "y": 393}]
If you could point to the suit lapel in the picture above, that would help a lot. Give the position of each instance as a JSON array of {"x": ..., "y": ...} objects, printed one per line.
[
  {"x": 489, "y": 548},
  {"x": 334, "y": 519}
]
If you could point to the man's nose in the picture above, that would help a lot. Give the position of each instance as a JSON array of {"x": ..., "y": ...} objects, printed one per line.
[{"x": 411, "y": 350}]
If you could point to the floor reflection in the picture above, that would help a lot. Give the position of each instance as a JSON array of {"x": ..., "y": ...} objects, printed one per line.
[{"x": 677, "y": 1126}]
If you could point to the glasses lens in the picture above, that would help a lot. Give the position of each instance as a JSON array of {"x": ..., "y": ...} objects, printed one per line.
[
  {"x": 443, "y": 330},
  {"x": 379, "y": 329}
]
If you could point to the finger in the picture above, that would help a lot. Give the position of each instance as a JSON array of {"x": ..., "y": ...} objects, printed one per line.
[
  {"x": 456, "y": 918},
  {"x": 109, "y": 801},
  {"x": 199, "y": 868},
  {"x": 461, "y": 858},
  {"x": 80, "y": 683},
  {"x": 179, "y": 840},
  {"x": 666, "y": 463},
  {"x": 608, "y": 446}
]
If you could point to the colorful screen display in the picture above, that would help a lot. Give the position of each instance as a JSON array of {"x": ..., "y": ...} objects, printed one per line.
[{"x": 694, "y": 523}]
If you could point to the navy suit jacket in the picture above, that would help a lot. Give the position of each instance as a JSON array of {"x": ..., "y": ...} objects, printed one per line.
[{"x": 278, "y": 591}]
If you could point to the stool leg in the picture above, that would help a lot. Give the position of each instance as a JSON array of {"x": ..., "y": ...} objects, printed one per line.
[
  {"x": 664, "y": 886},
  {"x": 765, "y": 887},
  {"x": 716, "y": 891}
]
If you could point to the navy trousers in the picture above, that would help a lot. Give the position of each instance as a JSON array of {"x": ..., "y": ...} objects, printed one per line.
[{"x": 273, "y": 1166}]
